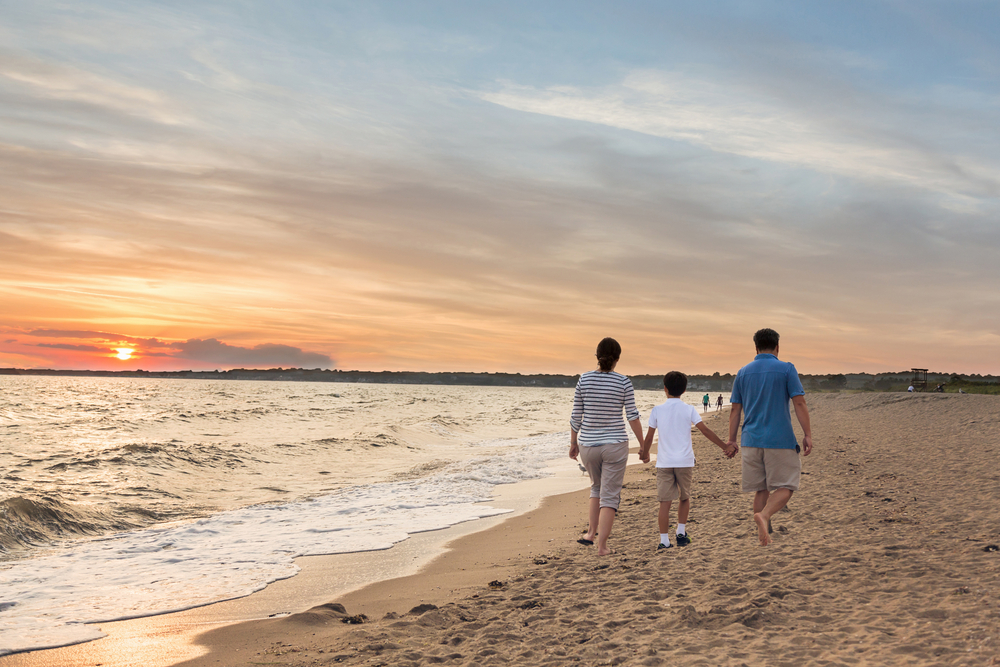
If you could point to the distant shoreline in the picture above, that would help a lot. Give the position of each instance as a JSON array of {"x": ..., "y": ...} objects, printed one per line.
[{"x": 710, "y": 383}]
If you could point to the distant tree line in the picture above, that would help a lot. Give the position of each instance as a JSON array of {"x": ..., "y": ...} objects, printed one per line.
[{"x": 716, "y": 382}]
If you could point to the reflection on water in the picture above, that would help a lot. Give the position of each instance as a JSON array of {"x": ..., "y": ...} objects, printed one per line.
[{"x": 92, "y": 455}]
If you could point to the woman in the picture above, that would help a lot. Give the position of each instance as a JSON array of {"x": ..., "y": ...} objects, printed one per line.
[{"x": 598, "y": 435}]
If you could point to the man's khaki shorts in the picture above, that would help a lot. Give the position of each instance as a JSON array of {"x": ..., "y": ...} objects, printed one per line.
[
  {"x": 673, "y": 482},
  {"x": 770, "y": 469}
]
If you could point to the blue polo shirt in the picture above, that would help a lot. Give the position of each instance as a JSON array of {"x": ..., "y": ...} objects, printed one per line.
[{"x": 763, "y": 387}]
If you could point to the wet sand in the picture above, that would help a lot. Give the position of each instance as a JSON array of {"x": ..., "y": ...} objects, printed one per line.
[{"x": 886, "y": 556}]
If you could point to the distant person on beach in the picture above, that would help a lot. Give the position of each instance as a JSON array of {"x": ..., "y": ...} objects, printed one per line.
[
  {"x": 910, "y": 389},
  {"x": 771, "y": 465},
  {"x": 718, "y": 403},
  {"x": 598, "y": 436},
  {"x": 705, "y": 400},
  {"x": 675, "y": 455}
]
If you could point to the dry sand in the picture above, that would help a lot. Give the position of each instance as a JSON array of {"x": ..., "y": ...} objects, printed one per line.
[{"x": 886, "y": 556}]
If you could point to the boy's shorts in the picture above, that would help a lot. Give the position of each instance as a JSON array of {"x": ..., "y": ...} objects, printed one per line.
[
  {"x": 769, "y": 469},
  {"x": 673, "y": 482}
]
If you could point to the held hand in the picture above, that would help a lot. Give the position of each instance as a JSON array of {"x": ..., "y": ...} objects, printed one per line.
[
  {"x": 644, "y": 455},
  {"x": 574, "y": 451},
  {"x": 807, "y": 445}
]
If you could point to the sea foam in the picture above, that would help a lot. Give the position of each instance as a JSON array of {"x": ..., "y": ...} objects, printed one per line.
[{"x": 52, "y": 600}]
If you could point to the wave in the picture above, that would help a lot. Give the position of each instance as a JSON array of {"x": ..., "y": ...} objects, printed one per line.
[
  {"x": 234, "y": 553},
  {"x": 33, "y": 522},
  {"x": 159, "y": 455},
  {"x": 377, "y": 440}
]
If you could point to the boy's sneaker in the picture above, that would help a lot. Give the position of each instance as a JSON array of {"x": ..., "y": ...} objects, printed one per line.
[
  {"x": 683, "y": 540},
  {"x": 663, "y": 546}
]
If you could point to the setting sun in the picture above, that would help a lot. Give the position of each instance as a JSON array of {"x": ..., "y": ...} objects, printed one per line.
[{"x": 124, "y": 353}]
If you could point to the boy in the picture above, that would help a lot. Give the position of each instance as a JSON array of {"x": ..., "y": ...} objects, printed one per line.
[{"x": 675, "y": 455}]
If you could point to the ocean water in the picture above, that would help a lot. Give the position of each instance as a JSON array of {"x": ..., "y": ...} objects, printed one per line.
[{"x": 130, "y": 497}]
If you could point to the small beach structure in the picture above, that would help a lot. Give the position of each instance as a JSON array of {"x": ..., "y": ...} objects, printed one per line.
[{"x": 919, "y": 380}]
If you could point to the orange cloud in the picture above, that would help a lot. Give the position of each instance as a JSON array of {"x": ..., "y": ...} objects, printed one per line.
[{"x": 154, "y": 353}]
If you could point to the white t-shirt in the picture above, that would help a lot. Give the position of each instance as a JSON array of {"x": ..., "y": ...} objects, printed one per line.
[{"x": 673, "y": 421}]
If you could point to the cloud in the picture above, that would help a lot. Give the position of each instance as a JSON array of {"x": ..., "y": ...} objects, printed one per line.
[
  {"x": 729, "y": 118},
  {"x": 66, "y": 83},
  {"x": 146, "y": 343},
  {"x": 69, "y": 333},
  {"x": 266, "y": 354},
  {"x": 209, "y": 350},
  {"x": 68, "y": 346},
  {"x": 352, "y": 185}
]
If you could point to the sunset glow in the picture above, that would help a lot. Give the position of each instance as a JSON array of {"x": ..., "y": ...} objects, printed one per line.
[
  {"x": 124, "y": 353},
  {"x": 451, "y": 188}
]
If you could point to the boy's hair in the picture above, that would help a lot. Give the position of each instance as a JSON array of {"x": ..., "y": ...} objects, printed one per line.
[
  {"x": 766, "y": 339},
  {"x": 675, "y": 383}
]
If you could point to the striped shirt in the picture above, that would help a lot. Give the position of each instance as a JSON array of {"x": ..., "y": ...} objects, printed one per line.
[{"x": 597, "y": 408}]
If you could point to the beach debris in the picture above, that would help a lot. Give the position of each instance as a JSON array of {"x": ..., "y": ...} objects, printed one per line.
[
  {"x": 357, "y": 619},
  {"x": 319, "y": 615},
  {"x": 496, "y": 584},
  {"x": 422, "y": 609},
  {"x": 962, "y": 590},
  {"x": 991, "y": 547},
  {"x": 379, "y": 647},
  {"x": 602, "y": 567},
  {"x": 530, "y": 604},
  {"x": 540, "y": 561}
]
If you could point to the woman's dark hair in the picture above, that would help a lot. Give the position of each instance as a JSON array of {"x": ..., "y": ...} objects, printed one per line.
[
  {"x": 608, "y": 352},
  {"x": 766, "y": 339},
  {"x": 675, "y": 382}
]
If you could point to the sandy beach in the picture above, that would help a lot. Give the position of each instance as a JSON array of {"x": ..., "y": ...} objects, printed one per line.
[{"x": 886, "y": 556}]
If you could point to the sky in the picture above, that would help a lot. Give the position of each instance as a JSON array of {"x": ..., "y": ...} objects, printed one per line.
[{"x": 496, "y": 186}]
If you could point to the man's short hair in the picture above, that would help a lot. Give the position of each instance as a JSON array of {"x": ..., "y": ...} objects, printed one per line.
[
  {"x": 675, "y": 383},
  {"x": 766, "y": 339}
]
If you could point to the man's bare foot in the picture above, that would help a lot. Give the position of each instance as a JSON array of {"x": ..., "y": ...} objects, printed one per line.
[
  {"x": 761, "y": 522},
  {"x": 604, "y": 551}
]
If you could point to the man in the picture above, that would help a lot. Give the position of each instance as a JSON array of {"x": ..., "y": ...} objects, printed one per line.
[{"x": 771, "y": 465}]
